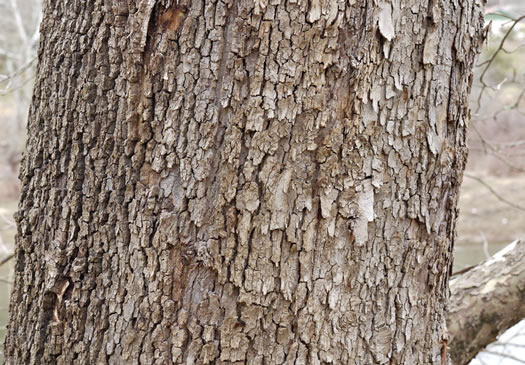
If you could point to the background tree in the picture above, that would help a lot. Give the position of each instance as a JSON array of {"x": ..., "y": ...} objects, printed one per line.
[
  {"x": 242, "y": 181},
  {"x": 18, "y": 41}
]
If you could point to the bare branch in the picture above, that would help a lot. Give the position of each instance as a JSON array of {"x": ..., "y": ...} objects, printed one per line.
[
  {"x": 6, "y": 259},
  {"x": 18, "y": 21},
  {"x": 508, "y": 356},
  {"x": 2, "y": 280},
  {"x": 505, "y": 344},
  {"x": 496, "y": 194},
  {"x": 9, "y": 55},
  {"x": 485, "y": 244},
  {"x": 13, "y": 89},
  {"x": 513, "y": 144},
  {"x": 486, "y": 301},
  {"x": 21, "y": 70},
  {"x": 489, "y": 62}
]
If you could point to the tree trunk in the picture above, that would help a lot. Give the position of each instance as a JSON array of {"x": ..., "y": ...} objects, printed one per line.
[
  {"x": 486, "y": 301},
  {"x": 261, "y": 182}
]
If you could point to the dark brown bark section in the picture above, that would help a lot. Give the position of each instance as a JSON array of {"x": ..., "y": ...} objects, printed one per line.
[
  {"x": 259, "y": 182},
  {"x": 486, "y": 301}
]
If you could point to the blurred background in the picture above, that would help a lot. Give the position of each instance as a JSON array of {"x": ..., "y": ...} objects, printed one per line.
[{"x": 492, "y": 202}]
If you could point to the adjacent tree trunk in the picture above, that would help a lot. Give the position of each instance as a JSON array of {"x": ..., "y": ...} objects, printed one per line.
[{"x": 261, "y": 182}]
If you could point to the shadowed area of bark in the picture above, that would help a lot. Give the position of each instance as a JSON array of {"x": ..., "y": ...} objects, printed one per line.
[{"x": 486, "y": 301}]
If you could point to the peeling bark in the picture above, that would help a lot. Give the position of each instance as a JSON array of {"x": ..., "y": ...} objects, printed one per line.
[
  {"x": 262, "y": 182},
  {"x": 486, "y": 301}
]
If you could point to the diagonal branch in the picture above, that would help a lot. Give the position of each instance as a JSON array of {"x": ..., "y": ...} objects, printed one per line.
[{"x": 494, "y": 192}]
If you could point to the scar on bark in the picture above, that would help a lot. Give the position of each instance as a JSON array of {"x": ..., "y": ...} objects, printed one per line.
[
  {"x": 52, "y": 301},
  {"x": 172, "y": 18},
  {"x": 444, "y": 347},
  {"x": 61, "y": 290}
]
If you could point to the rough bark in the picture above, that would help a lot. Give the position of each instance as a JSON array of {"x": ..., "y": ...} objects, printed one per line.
[
  {"x": 485, "y": 301},
  {"x": 242, "y": 182}
]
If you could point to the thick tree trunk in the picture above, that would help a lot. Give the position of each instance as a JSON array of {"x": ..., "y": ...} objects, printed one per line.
[
  {"x": 486, "y": 301},
  {"x": 259, "y": 182}
]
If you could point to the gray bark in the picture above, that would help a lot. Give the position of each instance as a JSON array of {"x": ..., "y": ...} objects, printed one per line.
[
  {"x": 486, "y": 301},
  {"x": 262, "y": 182}
]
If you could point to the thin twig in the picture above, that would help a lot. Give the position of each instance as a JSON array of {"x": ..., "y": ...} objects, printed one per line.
[
  {"x": 482, "y": 362},
  {"x": 9, "y": 223},
  {"x": 490, "y": 147},
  {"x": 7, "y": 259},
  {"x": 507, "y": 154},
  {"x": 508, "y": 356},
  {"x": 489, "y": 62},
  {"x": 10, "y": 90},
  {"x": 513, "y": 144},
  {"x": 481, "y": 181},
  {"x": 18, "y": 21},
  {"x": 507, "y": 344},
  {"x": 498, "y": 156},
  {"x": 464, "y": 270},
  {"x": 9, "y": 55},
  {"x": 21, "y": 70},
  {"x": 485, "y": 245}
]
